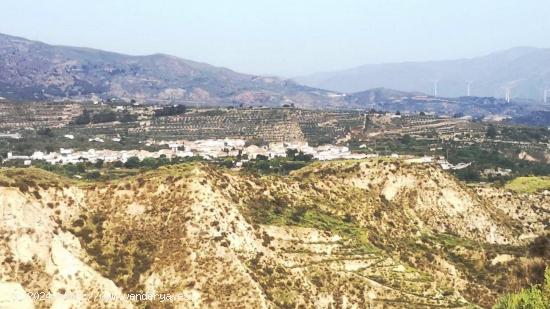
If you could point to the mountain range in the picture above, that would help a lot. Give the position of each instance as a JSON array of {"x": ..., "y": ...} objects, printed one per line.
[
  {"x": 35, "y": 71},
  {"x": 31, "y": 70},
  {"x": 524, "y": 70},
  {"x": 384, "y": 99}
]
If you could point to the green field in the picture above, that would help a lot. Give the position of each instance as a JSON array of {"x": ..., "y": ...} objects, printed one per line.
[{"x": 529, "y": 184}]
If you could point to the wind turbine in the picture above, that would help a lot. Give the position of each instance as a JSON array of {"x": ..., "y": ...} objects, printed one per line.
[
  {"x": 508, "y": 87},
  {"x": 436, "y": 83},
  {"x": 468, "y": 87},
  {"x": 508, "y": 93},
  {"x": 546, "y": 91}
]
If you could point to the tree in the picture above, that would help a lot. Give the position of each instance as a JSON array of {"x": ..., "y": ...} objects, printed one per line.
[
  {"x": 80, "y": 167},
  {"x": 291, "y": 153},
  {"x": 132, "y": 162},
  {"x": 407, "y": 139},
  {"x": 70, "y": 169},
  {"x": 491, "y": 132},
  {"x": 104, "y": 116},
  {"x": 261, "y": 158},
  {"x": 469, "y": 174},
  {"x": 99, "y": 163},
  {"x": 303, "y": 157},
  {"x": 171, "y": 110},
  {"x": 83, "y": 118},
  {"x": 45, "y": 132},
  {"x": 93, "y": 175},
  {"x": 163, "y": 160},
  {"x": 127, "y": 117},
  {"x": 228, "y": 163},
  {"x": 150, "y": 163}
]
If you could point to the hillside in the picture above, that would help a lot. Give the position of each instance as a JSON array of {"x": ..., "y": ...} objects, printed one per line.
[
  {"x": 32, "y": 71},
  {"x": 392, "y": 100},
  {"x": 376, "y": 233},
  {"x": 523, "y": 69}
]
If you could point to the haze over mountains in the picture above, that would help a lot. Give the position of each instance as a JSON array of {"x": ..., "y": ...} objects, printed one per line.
[
  {"x": 35, "y": 71},
  {"x": 31, "y": 70},
  {"x": 526, "y": 70}
]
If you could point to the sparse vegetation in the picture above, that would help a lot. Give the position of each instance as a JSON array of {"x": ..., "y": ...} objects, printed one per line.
[
  {"x": 327, "y": 225},
  {"x": 535, "y": 297}
]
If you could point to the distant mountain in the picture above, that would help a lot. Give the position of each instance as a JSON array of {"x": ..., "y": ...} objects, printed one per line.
[
  {"x": 31, "y": 70},
  {"x": 525, "y": 70},
  {"x": 534, "y": 118},
  {"x": 35, "y": 71},
  {"x": 377, "y": 95},
  {"x": 392, "y": 100}
]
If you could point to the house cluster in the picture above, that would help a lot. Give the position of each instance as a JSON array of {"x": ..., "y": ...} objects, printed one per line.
[
  {"x": 235, "y": 147},
  {"x": 445, "y": 165},
  {"x": 216, "y": 148},
  {"x": 66, "y": 156},
  {"x": 496, "y": 172},
  {"x": 10, "y": 135},
  {"x": 208, "y": 149}
]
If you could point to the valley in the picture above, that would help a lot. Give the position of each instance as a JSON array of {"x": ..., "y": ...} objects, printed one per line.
[{"x": 131, "y": 178}]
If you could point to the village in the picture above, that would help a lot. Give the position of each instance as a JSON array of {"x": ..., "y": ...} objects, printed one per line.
[
  {"x": 213, "y": 149},
  {"x": 71, "y": 133}
]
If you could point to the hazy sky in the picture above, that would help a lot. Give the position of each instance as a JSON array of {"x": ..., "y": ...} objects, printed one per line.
[{"x": 285, "y": 37}]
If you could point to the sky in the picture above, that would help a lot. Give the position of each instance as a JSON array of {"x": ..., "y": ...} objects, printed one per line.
[{"x": 286, "y": 38}]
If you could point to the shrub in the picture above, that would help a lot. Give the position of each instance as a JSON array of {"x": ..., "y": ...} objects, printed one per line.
[
  {"x": 540, "y": 247},
  {"x": 93, "y": 175},
  {"x": 535, "y": 297}
]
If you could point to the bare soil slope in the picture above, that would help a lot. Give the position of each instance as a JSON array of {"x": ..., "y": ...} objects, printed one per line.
[{"x": 342, "y": 234}]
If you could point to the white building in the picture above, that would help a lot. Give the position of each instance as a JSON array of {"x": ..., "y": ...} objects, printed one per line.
[{"x": 96, "y": 139}]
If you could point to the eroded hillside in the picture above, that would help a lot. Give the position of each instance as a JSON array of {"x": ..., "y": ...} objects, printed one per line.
[{"x": 342, "y": 234}]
